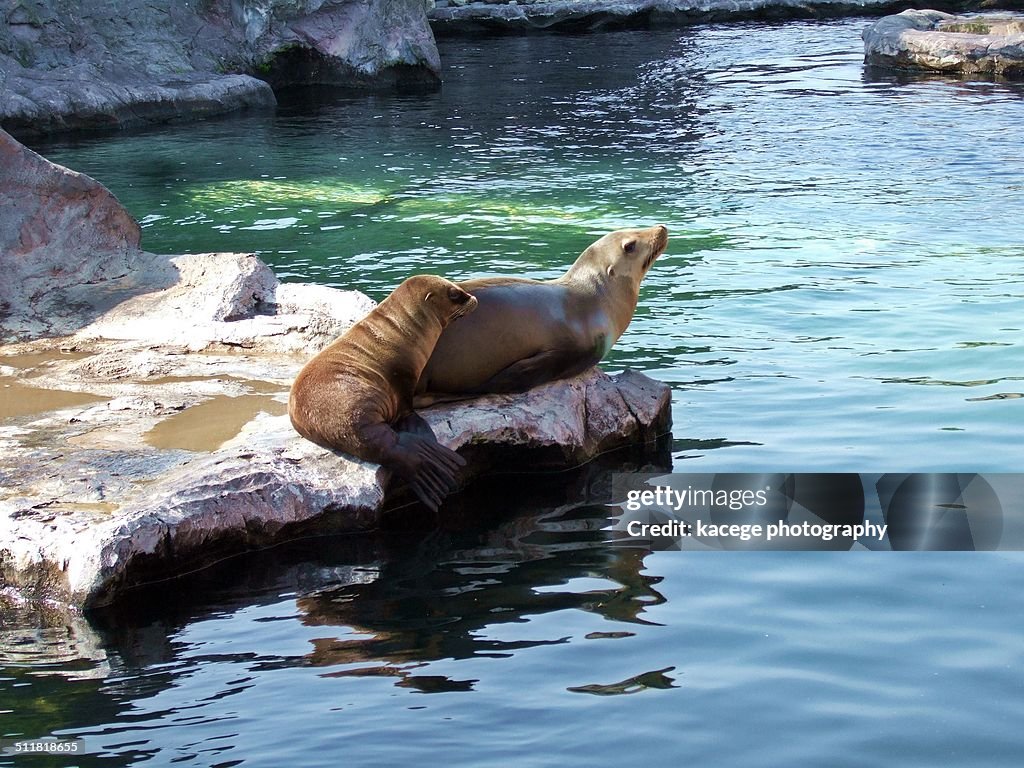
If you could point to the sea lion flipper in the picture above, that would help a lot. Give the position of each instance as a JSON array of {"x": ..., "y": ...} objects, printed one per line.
[
  {"x": 416, "y": 424},
  {"x": 540, "y": 368},
  {"x": 413, "y": 422},
  {"x": 428, "y": 467},
  {"x": 428, "y": 489}
]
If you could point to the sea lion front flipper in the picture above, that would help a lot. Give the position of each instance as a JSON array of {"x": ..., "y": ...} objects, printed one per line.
[
  {"x": 538, "y": 369},
  {"x": 427, "y": 466},
  {"x": 417, "y": 425}
]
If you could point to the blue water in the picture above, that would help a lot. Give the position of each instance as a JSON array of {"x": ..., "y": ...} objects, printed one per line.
[
  {"x": 842, "y": 291},
  {"x": 476, "y": 656}
]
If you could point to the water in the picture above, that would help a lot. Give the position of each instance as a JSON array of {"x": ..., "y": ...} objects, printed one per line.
[
  {"x": 842, "y": 291},
  {"x": 534, "y": 644},
  {"x": 843, "y": 288}
]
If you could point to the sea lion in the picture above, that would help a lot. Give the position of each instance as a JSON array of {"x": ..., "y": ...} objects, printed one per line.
[
  {"x": 356, "y": 395},
  {"x": 527, "y": 332}
]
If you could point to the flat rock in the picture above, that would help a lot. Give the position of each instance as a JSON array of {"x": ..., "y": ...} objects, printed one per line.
[
  {"x": 144, "y": 433},
  {"x": 933, "y": 41}
]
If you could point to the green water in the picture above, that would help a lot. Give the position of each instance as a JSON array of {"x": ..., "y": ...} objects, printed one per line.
[{"x": 843, "y": 287}]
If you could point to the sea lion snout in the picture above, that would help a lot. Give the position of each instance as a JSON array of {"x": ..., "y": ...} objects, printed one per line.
[
  {"x": 657, "y": 244},
  {"x": 464, "y": 303},
  {"x": 660, "y": 237}
]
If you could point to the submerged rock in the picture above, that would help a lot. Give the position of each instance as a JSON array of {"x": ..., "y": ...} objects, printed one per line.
[
  {"x": 96, "y": 65},
  {"x": 142, "y": 411},
  {"x": 932, "y": 41}
]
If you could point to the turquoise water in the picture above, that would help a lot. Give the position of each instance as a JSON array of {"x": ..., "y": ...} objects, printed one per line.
[{"x": 842, "y": 291}]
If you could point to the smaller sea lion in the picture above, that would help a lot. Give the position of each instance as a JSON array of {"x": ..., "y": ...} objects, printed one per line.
[{"x": 356, "y": 395}]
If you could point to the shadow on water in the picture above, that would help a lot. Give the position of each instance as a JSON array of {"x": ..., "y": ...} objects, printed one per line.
[{"x": 883, "y": 76}]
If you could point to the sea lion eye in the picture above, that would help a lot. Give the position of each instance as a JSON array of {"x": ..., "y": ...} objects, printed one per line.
[
  {"x": 629, "y": 246},
  {"x": 457, "y": 295}
]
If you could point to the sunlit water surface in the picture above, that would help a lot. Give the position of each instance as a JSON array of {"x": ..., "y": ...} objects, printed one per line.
[
  {"x": 845, "y": 283},
  {"x": 843, "y": 291}
]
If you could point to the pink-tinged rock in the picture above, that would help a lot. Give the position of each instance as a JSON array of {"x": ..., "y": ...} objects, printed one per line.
[{"x": 58, "y": 228}]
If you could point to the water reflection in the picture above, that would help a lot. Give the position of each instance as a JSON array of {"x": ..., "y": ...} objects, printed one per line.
[
  {"x": 656, "y": 679},
  {"x": 405, "y": 597},
  {"x": 389, "y": 604}
]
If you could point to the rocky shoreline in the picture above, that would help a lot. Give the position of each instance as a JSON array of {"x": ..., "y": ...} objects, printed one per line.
[
  {"x": 130, "y": 64},
  {"x": 990, "y": 44},
  {"x": 142, "y": 403},
  {"x": 82, "y": 66},
  {"x": 476, "y": 17}
]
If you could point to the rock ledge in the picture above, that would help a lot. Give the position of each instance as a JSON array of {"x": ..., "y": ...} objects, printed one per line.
[
  {"x": 143, "y": 430},
  {"x": 932, "y": 41}
]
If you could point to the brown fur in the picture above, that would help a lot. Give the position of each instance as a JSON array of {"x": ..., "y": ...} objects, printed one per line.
[
  {"x": 527, "y": 332},
  {"x": 350, "y": 396}
]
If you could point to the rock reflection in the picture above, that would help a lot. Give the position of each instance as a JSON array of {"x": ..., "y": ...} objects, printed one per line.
[
  {"x": 648, "y": 680},
  {"x": 437, "y": 599},
  {"x": 50, "y": 641}
]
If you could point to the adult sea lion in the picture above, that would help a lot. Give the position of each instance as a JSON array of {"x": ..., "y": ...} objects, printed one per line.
[
  {"x": 356, "y": 395},
  {"x": 527, "y": 332}
]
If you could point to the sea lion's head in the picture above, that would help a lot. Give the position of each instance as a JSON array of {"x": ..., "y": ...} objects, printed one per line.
[
  {"x": 613, "y": 268},
  {"x": 625, "y": 253},
  {"x": 445, "y": 300}
]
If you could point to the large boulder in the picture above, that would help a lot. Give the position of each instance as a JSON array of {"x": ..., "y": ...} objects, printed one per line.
[
  {"x": 58, "y": 229},
  {"x": 144, "y": 432},
  {"x": 96, "y": 65},
  {"x": 933, "y": 41}
]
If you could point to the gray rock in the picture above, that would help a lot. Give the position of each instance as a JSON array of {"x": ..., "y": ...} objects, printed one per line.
[
  {"x": 144, "y": 433},
  {"x": 95, "y": 65},
  {"x": 991, "y": 44}
]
